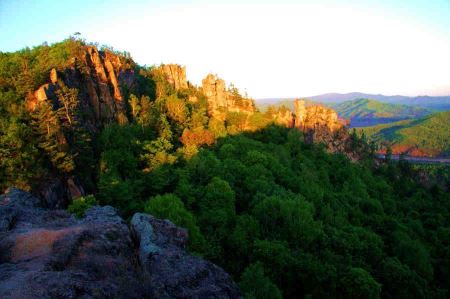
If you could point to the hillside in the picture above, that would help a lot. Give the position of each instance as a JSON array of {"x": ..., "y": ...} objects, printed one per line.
[
  {"x": 427, "y": 136},
  {"x": 441, "y": 103},
  {"x": 368, "y": 112}
]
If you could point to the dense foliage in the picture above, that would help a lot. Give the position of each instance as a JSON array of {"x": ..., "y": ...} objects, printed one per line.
[
  {"x": 284, "y": 217},
  {"x": 288, "y": 217},
  {"x": 48, "y": 140}
]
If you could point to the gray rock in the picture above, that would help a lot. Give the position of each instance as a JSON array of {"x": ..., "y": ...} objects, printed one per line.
[
  {"x": 51, "y": 254},
  {"x": 173, "y": 273}
]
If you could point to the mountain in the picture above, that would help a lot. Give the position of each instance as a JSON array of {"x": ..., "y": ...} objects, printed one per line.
[
  {"x": 368, "y": 112},
  {"x": 441, "y": 103},
  {"x": 427, "y": 136}
]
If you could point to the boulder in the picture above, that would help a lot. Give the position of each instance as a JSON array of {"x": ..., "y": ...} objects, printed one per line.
[
  {"x": 173, "y": 273},
  {"x": 51, "y": 254}
]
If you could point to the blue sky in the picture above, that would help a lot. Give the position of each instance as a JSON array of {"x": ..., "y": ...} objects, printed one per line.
[{"x": 268, "y": 48}]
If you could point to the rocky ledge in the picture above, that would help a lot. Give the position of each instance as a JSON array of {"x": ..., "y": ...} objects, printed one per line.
[{"x": 51, "y": 254}]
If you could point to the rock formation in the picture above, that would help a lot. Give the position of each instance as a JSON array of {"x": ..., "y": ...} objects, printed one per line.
[
  {"x": 299, "y": 114},
  {"x": 175, "y": 75},
  {"x": 284, "y": 117},
  {"x": 221, "y": 101},
  {"x": 98, "y": 75},
  {"x": 315, "y": 116},
  {"x": 51, "y": 254}
]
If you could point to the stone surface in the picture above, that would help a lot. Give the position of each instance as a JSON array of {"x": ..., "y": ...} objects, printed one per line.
[
  {"x": 175, "y": 75},
  {"x": 284, "y": 117},
  {"x": 220, "y": 101},
  {"x": 51, "y": 254},
  {"x": 173, "y": 273},
  {"x": 53, "y": 76},
  {"x": 98, "y": 76},
  {"x": 315, "y": 117}
]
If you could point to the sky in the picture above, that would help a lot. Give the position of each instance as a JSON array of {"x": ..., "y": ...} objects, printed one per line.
[{"x": 265, "y": 48}]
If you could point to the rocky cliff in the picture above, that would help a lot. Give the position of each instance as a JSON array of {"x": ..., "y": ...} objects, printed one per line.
[
  {"x": 175, "y": 75},
  {"x": 99, "y": 77},
  {"x": 221, "y": 101},
  {"x": 51, "y": 254},
  {"x": 315, "y": 116},
  {"x": 308, "y": 117}
]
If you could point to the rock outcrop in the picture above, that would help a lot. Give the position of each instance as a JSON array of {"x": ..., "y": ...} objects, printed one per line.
[
  {"x": 57, "y": 193},
  {"x": 50, "y": 254},
  {"x": 284, "y": 117},
  {"x": 315, "y": 116},
  {"x": 221, "y": 101},
  {"x": 175, "y": 75},
  {"x": 177, "y": 274},
  {"x": 98, "y": 76}
]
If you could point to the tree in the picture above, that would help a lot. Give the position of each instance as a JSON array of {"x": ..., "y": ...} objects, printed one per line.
[
  {"x": 52, "y": 140},
  {"x": 156, "y": 153},
  {"x": 169, "y": 206},
  {"x": 68, "y": 101},
  {"x": 358, "y": 283},
  {"x": 254, "y": 284},
  {"x": 176, "y": 109}
]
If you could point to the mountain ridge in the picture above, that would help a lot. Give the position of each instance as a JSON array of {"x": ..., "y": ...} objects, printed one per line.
[
  {"x": 426, "y": 136},
  {"x": 368, "y": 112},
  {"x": 433, "y": 102}
]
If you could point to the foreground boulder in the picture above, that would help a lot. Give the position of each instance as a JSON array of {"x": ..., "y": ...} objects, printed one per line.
[
  {"x": 173, "y": 272},
  {"x": 50, "y": 254}
]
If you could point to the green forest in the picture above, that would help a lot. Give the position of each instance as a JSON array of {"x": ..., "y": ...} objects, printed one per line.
[
  {"x": 286, "y": 218},
  {"x": 429, "y": 134}
]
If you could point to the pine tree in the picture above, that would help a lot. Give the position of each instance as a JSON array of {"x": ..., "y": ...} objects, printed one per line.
[{"x": 51, "y": 138}]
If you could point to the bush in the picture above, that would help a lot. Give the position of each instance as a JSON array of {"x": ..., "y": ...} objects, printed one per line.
[
  {"x": 169, "y": 206},
  {"x": 81, "y": 204}
]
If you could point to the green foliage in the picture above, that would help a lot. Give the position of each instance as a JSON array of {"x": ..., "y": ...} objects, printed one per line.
[
  {"x": 79, "y": 205},
  {"x": 169, "y": 206},
  {"x": 254, "y": 284},
  {"x": 430, "y": 134},
  {"x": 367, "y": 110},
  {"x": 358, "y": 283},
  {"x": 156, "y": 153}
]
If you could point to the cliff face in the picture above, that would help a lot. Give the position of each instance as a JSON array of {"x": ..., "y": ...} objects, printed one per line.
[
  {"x": 308, "y": 118},
  {"x": 51, "y": 254},
  {"x": 98, "y": 76},
  {"x": 315, "y": 116},
  {"x": 284, "y": 117},
  {"x": 221, "y": 101},
  {"x": 175, "y": 75}
]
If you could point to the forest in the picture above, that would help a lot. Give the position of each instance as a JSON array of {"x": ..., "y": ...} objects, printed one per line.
[{"x": 285, "y": 217}]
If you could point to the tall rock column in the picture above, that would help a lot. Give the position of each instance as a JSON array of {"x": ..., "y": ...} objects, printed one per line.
[
  {"x": 215, "y": 91},
  {"x": 300, "y": 114},
  {"x": 176, "y": 75}
]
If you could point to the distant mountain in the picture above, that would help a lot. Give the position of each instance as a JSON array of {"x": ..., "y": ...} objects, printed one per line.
[
  {"x": 368, "y": 112},
  {"x": 440, "y": 103},
  {"x": 427, "y": 136}
]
